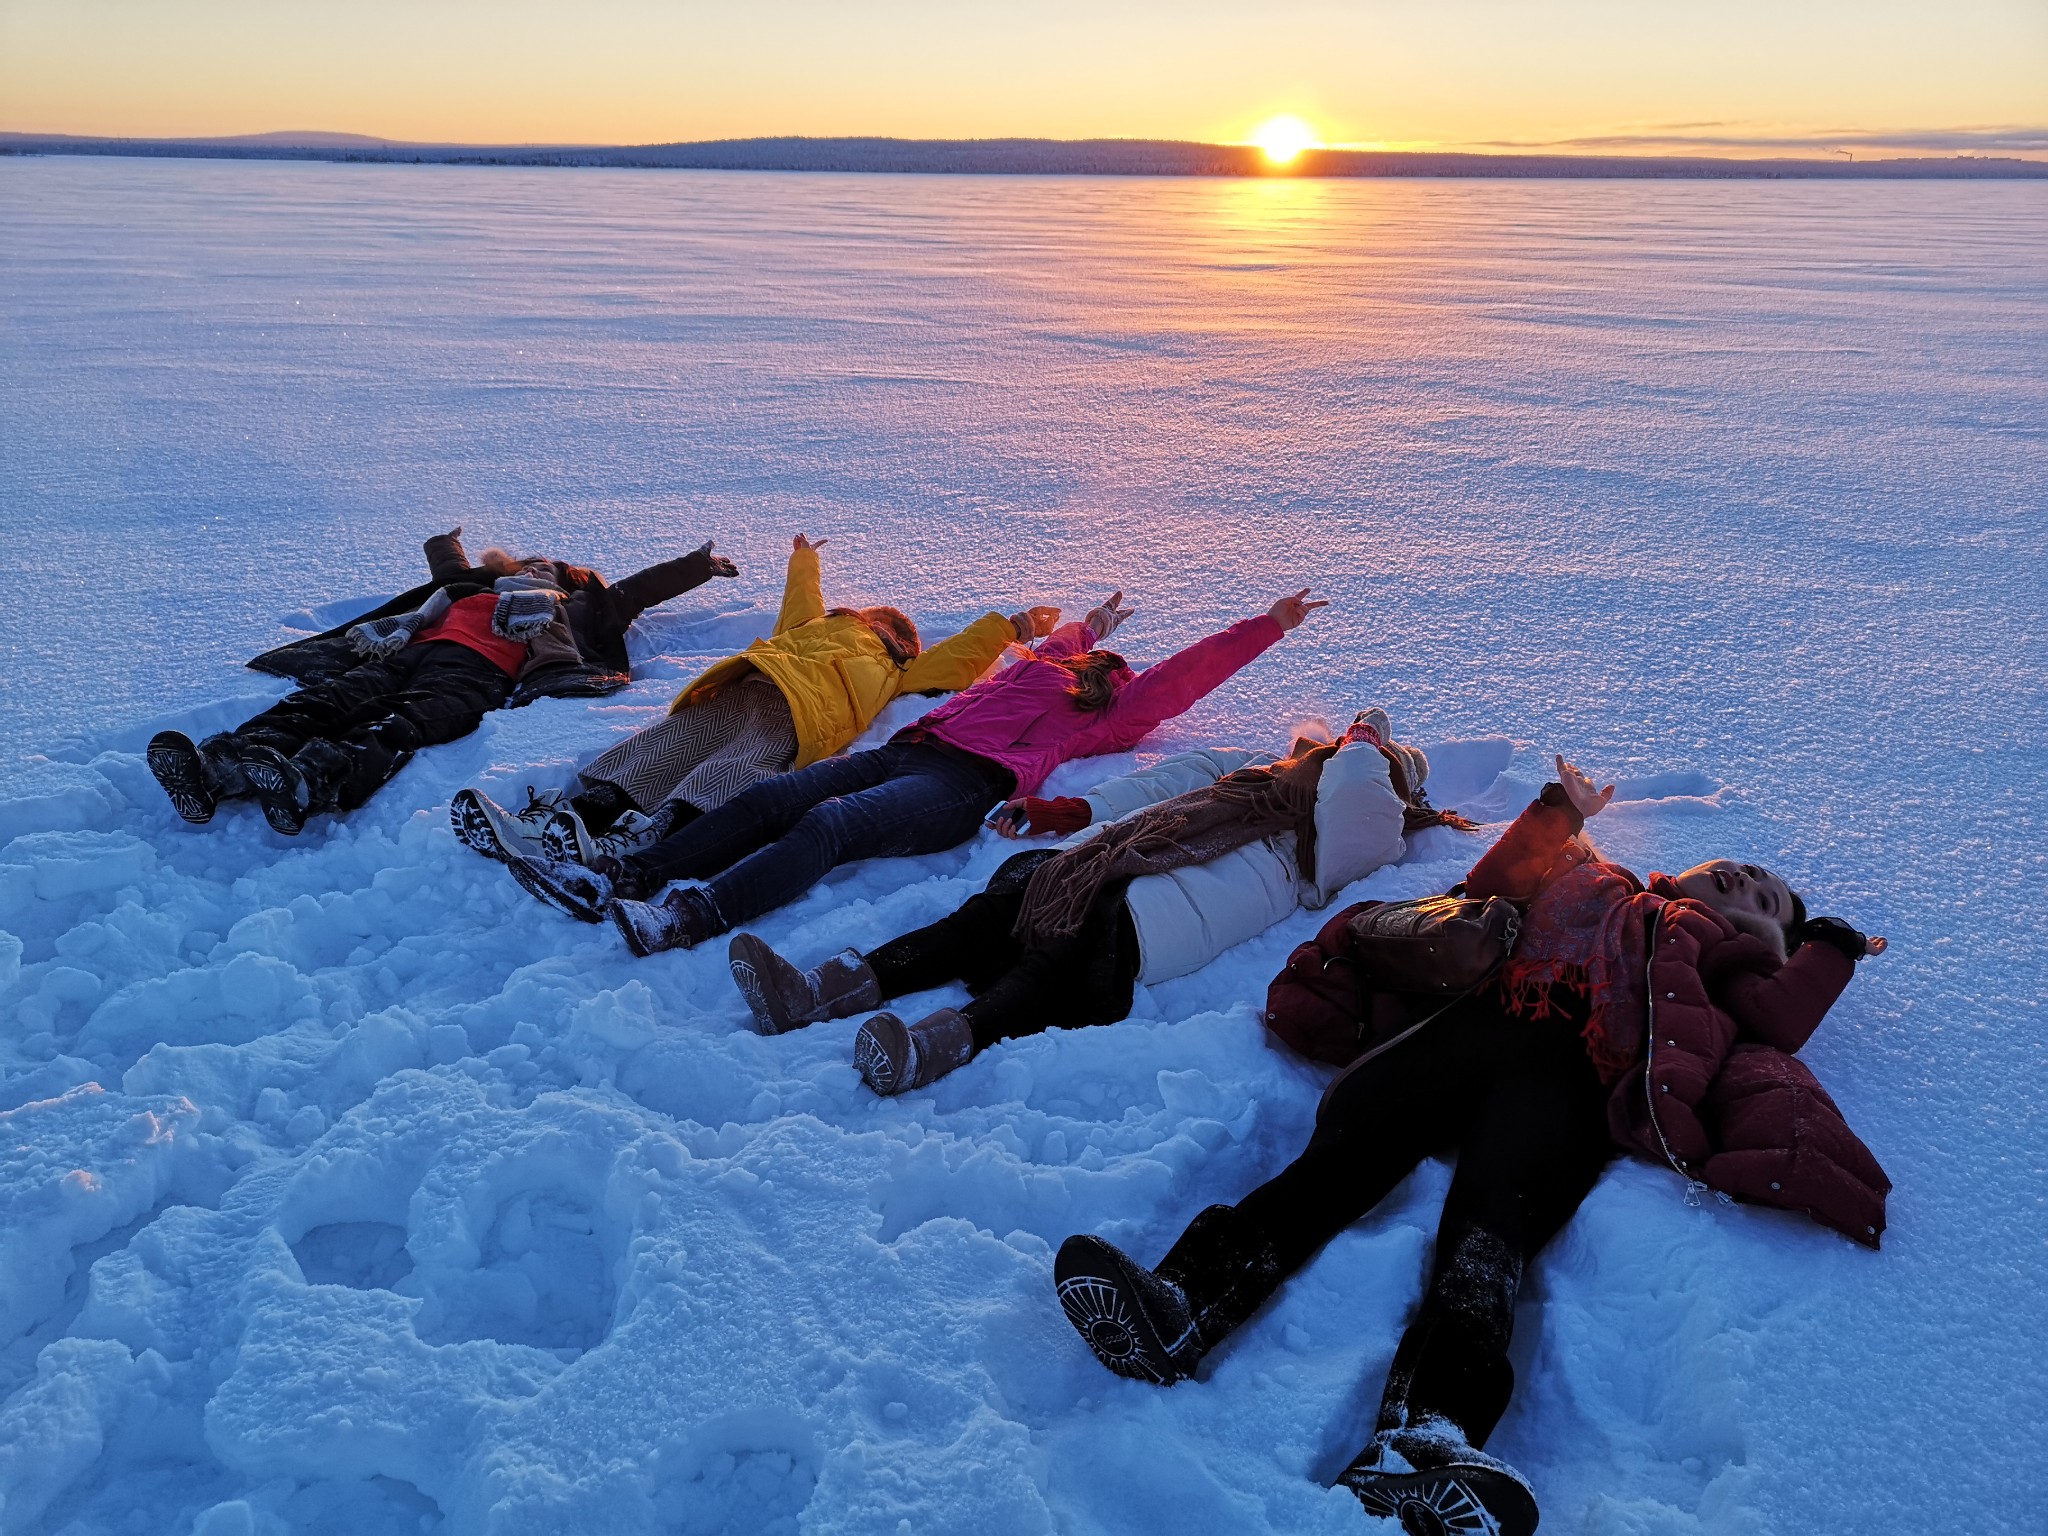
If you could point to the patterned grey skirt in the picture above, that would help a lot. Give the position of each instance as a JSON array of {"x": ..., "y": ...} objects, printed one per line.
[{"x": 706, "y": 753}]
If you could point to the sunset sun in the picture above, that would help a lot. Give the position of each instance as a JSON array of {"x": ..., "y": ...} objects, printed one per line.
[{"x": 1283, "y": 138}]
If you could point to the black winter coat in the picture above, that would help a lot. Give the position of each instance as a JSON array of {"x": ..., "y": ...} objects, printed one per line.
[{"x": 594, "y": 624}]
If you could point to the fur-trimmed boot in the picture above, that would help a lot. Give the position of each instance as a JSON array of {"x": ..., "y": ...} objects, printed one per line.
[
  {"x": 1431, "y": 1479},
  {"x": 196, "y": 777},
  {"x": 783, "y": 998},
  {"x": 895, "y": 1057},
  {"x": 682, "y": 919},
  {"x": 291, "y": 789},
  {"x": 1156, "y": 1325}
]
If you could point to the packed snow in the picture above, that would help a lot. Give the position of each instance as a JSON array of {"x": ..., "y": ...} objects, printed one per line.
[{"x": 344, "y": 1188}]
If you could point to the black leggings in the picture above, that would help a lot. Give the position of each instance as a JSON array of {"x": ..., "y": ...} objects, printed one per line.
[
  {"x": 1087, "y": 979},
  {"x": 1520, "y": 1103}
]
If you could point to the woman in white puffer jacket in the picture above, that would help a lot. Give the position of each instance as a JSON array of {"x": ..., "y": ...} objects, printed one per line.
[{"x": 1192, "y": 856}]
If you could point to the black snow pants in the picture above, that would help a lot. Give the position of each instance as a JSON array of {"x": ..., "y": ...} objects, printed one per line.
[
  {"x": 1527, "y": 1115},
  {"x": 1087, "y": 979},
  {"x": 380, "y": 713}
]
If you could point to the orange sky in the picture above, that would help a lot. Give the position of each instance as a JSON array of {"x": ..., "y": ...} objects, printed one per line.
[{"x": 1736, "y": 76}]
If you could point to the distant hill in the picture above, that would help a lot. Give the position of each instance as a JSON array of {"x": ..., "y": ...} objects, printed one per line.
[{"x": 1008, "y": 157}]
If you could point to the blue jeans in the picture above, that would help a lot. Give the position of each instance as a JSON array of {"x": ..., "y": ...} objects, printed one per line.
[{"x": 771, "y": 843}]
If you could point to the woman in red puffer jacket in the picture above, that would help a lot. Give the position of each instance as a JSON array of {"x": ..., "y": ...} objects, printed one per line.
[{"x": 1658, "y": 1017}]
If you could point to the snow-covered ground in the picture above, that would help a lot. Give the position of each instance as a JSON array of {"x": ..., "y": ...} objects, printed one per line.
[{"x": 345, "y": 1189}]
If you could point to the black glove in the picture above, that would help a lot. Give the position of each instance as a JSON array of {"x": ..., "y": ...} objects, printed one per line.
[
  {"x": 714, "y": 565},
  {"x": 1832, "y": 930}
]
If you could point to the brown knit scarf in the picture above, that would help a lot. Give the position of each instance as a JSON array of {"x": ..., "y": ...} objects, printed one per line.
[{"x": 1193, "y": 828}]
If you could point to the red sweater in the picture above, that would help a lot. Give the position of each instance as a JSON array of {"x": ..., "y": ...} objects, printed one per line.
[{"x": 468, "y": 622}]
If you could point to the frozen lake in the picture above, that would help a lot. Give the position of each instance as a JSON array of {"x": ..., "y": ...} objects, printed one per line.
[{"x": 1737, "y": 492}]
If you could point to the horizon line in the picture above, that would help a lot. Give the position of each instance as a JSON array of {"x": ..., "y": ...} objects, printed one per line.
[{"x": 1092, "y": 156}]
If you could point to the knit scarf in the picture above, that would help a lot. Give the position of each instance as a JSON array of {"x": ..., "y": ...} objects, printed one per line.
[
  {"x": 1587, "y": 933},
  {"x": 1193, "y": 828}
]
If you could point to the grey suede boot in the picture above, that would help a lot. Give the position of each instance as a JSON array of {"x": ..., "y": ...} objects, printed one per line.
[
  {"x": 895, "y": 1057},
  {"x": 784, "y": 998}
]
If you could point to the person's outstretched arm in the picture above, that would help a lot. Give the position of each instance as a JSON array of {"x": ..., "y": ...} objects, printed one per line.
[
  {"x": 803, "y": 589},
  {"x": 1529, "y": 851},
  {"x": 671, "y": 578},
  {"x": 959, "y": 660},
  {"x": 1784, "y": 1008},
  {"x": 447, "y": 560},
  {"x": 1166, "y": 689}
]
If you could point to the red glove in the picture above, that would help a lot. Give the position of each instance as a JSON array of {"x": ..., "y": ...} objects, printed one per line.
[
  {"x": 1066, "y": 813},
  {"x": 1032, "y": 816}
]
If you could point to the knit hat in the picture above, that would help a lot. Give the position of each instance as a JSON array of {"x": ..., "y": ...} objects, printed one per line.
[{"x": 1408, "y": 762}]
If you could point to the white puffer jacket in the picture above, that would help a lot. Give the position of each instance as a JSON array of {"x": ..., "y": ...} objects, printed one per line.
[{"x": 1188, "y": 917}]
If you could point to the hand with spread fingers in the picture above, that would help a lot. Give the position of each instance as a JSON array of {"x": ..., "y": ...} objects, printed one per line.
[{"x": 1586, "y": 800}]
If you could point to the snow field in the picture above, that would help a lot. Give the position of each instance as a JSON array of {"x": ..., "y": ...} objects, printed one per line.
[{"x": 345, "y": 1188}]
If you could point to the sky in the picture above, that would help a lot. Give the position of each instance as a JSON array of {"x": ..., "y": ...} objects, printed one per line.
[{"x": 1594, "y": 76}]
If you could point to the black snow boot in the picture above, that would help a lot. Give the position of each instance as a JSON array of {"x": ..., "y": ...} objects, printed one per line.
[
  {"x": 895, "y": 1057},
  {"x": 291, "y": 789},
  {"x": 1156, "y": 1325},
  {"x": 1431, "y": 1479},
  {"x": 783, "y": 998},
  {"x": 196, "y": 779}
]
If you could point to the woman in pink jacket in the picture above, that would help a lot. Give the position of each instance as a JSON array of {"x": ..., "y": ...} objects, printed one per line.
[{"x": 925, "y": 790}]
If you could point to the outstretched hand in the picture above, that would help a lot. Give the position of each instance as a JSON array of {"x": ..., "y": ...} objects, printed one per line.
[
  {"x": 721, "y": 565},
  {"x": 1290, "y": 611},
  {"x": 1035, "y": 623},
  {"x": 1107, "y": 617},
  {"x": 803, "y": 543},
  {"x": 1876, "y": 944},
  {"x": 1586, "y": 800}
]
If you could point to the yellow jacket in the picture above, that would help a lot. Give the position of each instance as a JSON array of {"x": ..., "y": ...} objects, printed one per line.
[{"x": 834, "y": 670}]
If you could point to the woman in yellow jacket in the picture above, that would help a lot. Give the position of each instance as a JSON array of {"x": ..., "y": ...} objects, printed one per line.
[{"x": 802, "y": 694}]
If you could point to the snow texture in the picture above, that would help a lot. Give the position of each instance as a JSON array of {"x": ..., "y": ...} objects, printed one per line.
[{"x": 345, "y": 1188}]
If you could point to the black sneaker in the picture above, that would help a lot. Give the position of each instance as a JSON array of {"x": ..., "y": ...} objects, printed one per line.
[
  {"x": 1137, "y": 1324},
  {"x": 175, "y": 762},
  {"x": 279, "y": 788}
]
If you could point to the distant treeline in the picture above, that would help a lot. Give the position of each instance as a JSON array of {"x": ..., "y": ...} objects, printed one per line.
[{"x": 1009, "y": 157}]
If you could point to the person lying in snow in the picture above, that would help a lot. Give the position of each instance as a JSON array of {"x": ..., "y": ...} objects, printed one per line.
[
  {"x": 925, "y": 790},
  {"x": 1660, "y": 1019},
  {"x": 800, "y": 695},
  {"x": 1193, "y": 855},
  {"x": 423, "y": 669}
]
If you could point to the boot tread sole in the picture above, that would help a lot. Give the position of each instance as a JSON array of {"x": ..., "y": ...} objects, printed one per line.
[
  {"x": 1096, "y": 1291},
  {"x": 175, "y": 763}
]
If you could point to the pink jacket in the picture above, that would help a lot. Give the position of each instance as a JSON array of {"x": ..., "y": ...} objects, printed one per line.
[{"x": 1023, "y": 719}]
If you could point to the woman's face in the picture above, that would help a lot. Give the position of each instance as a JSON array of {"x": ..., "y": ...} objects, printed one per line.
[{"x": 1753, "y": 899}]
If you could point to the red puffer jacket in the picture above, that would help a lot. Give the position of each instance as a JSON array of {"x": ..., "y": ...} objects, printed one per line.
[{"x": 1717, "y": 1093}]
